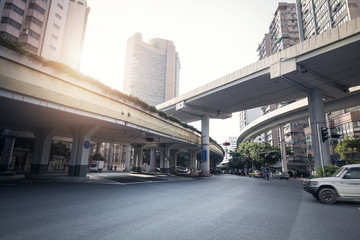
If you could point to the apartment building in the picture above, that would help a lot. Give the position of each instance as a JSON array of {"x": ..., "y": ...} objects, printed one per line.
[
  {"x": 52, "y": 29},
  {"x": 317, "y": 16},
  {"x": 283, "y": 33},
  {"x": 151, "y": 70}
]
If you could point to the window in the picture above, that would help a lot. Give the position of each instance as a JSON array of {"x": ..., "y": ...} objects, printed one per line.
[
  {"x": 14, "y": 8},
  {"x": 56, "y": 26},
  {"x": 32, "y": 34},
  {"x": 58, "y": 16},
  {"x": 353, "y": 173},
  {"x": 31, "y": 48},
  {"x": 9, "y": 36},
  {"x": 36, "y": 8},
  {"x": 11, "y": 22},
  {"x": 54, "y": 36},
  {"x": 34, "y": 20},
  {"x": 52, "y": 47},
  {"x": 60, "y": 6}
]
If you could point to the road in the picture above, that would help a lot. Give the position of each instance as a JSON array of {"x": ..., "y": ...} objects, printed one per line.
[{"x": 223, "y": 207}]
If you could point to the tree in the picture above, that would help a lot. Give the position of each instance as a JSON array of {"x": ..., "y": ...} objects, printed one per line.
[
  {"x": 348, "y": 148},
  {"x": 259, "y": 154}
]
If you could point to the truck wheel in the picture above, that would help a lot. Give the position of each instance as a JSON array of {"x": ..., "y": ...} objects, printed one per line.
[{"x": 327, "y": 196}]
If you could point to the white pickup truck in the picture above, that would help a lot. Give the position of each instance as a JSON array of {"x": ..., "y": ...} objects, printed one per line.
[
  {"x": 343, "y": 185},
  {"x": 96, "y": 166}
]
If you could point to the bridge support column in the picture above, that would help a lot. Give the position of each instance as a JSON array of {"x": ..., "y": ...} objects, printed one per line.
[
  {"x": 205, "y": 146},
  {"x": 40, "y": 159},
  {"x": 283, "y": 149},
  {"x": 79, "y": 158},
  {"x": 317, "y": 120},
  {"x": 162, "y": 154},
  {"x": 110, "y": 156},
  {"x": 127, "y": 150},
  {"x": 152, "y": 160},
  {"x": 7, "y": 152},
  {"x": 138, "y": 157},
  {"x": 192, "y": 163},
  {"x": 173, "y": 160}
]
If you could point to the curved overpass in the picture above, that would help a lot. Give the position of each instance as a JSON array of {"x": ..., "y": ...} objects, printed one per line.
[
  {"x": 292, "y": 112},
  {"x": 40, "y": 100}
]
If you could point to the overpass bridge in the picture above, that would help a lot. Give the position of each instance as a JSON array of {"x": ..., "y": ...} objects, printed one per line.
[
  {"x": 293, "y": 112},
  {"x": 321, "y": 69},
  {"x": 42, "y": 102}
]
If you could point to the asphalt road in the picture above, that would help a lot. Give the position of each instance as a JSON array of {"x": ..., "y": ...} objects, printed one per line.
[{"x": 160, "y": 207}]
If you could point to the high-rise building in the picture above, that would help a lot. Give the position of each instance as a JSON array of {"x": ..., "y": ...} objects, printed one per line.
[
  {"x": 247, "y": 116},
  {"x": 317, "y": 16},
  {"x": 283, "y": 31},
  {"x": 151, "y": 70},
  {"x": 52, "y": 29}
]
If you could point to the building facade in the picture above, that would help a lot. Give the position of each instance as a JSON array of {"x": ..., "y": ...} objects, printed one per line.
[
  {"x": 317, "y": 16},
  {"x": 284, "y": 33},
  {"x": 52, "y": 29},
  {"x": 151, "y": 70},
  {"x": 247, "y": 116}
]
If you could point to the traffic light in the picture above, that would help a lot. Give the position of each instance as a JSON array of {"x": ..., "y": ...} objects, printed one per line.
[
  {"x": 309, "y": 157},
  {"x": 335, "y": 135},
  {"x": 324, "y": 134},
  {"x": 226, "y": 144}
]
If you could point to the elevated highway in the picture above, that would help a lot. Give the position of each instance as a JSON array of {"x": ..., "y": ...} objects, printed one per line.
[
  {"x": 42, "y": 102},
  {"x": 321, "y": 69},
  {"x": 293, "y": 112}
]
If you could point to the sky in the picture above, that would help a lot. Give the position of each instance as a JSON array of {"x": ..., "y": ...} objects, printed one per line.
[{"x": 213, "y": 38}]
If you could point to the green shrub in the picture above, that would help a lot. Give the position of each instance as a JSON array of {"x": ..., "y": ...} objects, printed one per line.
[{"x": 329, "y": 171}]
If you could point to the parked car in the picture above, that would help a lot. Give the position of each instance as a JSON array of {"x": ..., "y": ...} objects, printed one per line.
[
  {"x": 280, "y": 175},
  {"x": 343, "y": 185},
  {"x": 256, "y": 174}
]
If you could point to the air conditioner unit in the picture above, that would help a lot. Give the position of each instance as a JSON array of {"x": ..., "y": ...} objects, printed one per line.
[{"x": 26, "y": 31}]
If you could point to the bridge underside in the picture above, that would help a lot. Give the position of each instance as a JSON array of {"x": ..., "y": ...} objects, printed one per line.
[{"x": 329, "y": 62}]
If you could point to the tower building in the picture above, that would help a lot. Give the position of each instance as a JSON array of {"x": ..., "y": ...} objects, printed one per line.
[
  {"x": 52, "y": 29},
  {"x": 151, "y": 70}
]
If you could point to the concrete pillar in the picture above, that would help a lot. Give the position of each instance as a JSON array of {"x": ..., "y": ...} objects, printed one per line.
[
  {"x": 138, "y": 157},
  {"x": 283, "y": 149},
  {"x": 173, "y": 159},
  {"x": 205, "y": 146},
  {"x": 7, "y": 153},
  {"x": 79, "y": 158},
  {"x": 127, "y": 150},
  {"x": 111, "y": 157},
  {"x": 162, "y": 154},
  {"x": 192, "y": 163},
  {"x": 167, "y": 158},
  {"x": 317, "y": 120},
  {"x": 41, "y": 154},
  {"x": 152, "y": 160}
]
